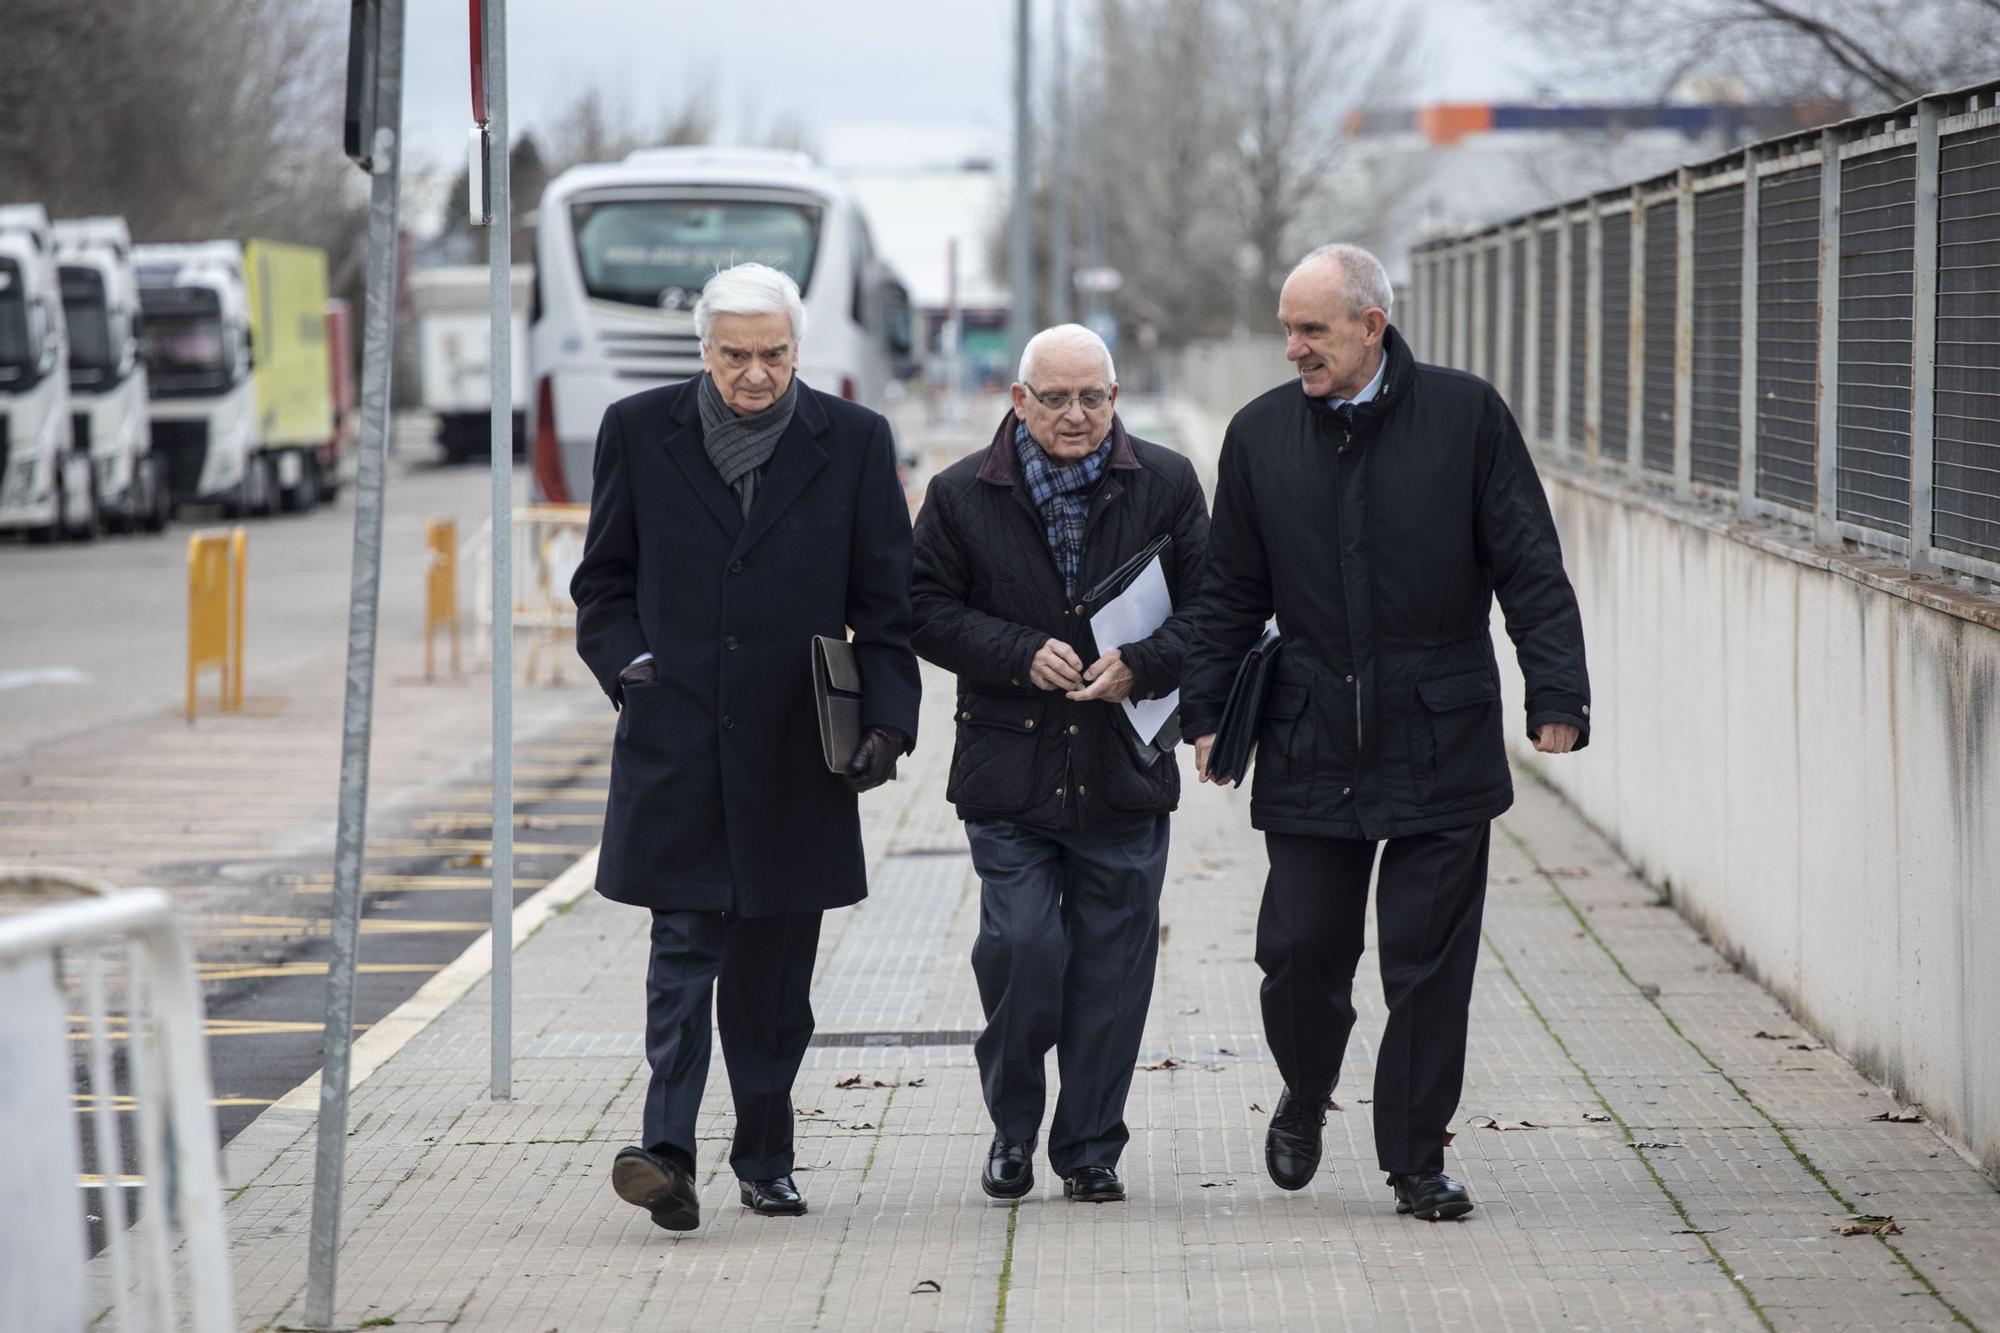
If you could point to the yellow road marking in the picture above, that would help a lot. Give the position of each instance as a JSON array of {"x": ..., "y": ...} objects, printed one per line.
[
  {"x": 125, "y": 1101},
  {"x": 369, "y": 926},
  {"x": 414, "y": 883},
  {"x": 118, "y": 1027},
  {"x": 463, "y": 821}
]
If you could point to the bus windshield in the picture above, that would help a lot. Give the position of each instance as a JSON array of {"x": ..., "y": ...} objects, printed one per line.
[
  {"x": 659, "y": 252},
  {"x": 91, "y": 356},
  {"x": 17, "y": 359}
]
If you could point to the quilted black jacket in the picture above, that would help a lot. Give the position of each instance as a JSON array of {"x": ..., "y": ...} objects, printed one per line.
[{"x": 987, "y": 596}]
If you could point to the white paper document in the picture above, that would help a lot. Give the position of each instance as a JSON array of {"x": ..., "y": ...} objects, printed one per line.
[{"x": 1127, "y": 618}]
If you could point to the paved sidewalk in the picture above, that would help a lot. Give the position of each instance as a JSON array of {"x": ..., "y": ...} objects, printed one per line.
[{"x": 1653, "y": 1142}]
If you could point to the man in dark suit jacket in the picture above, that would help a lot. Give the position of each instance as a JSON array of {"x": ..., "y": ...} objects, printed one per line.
[
  {"x": 1066, "y": 819},
  {"x": 733, "y": 517},
  {"x": 1378, "y": 506}
]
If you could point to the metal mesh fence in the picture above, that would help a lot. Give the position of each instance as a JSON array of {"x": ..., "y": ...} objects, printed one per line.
[
  {"x": 1788, "y": 206},
  {"x": 1662, "y": 269},
  {"x": 1547, "y": 272},
  {"x": 1517, "y": 320},
  {"x": 1715, "y": 426},
  {"x": 1488, "y": 361},
  {"x": 1614, "y": 326},
  {"x": 1878, "y": 195},
  {"x": 1966, "y": 473},
  {"x": 1579, "y": 326}
]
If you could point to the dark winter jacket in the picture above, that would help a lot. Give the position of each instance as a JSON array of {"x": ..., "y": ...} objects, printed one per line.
[
  {"x": 1380, "y": 552},
  {"x": 720, "y": 798},
  {"x": 988, "y": 595}
]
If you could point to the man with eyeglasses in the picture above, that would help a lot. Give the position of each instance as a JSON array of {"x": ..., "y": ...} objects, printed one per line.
[{"x": 1065, "y": 804}]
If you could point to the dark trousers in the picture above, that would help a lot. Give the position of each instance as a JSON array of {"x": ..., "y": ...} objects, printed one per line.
[
  {"x": 1432, "y": 889},
  {"x": 1069, "y": 931},
  {"x": 764, "y": 1007}
]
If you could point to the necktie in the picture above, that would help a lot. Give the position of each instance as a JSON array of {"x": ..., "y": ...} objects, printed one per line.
[{"x": 1344, "y": 414}]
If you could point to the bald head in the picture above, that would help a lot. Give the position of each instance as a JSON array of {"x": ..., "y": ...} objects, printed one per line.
[{"x": 1335, "y": 311}]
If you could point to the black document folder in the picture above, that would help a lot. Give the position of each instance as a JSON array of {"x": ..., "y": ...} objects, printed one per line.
[{"x": 1243, "y": 714}]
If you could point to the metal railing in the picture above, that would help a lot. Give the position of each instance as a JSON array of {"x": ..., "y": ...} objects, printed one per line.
[
  {"x": 1806, "y": 328},
  {"x": 58, "y": 965}
]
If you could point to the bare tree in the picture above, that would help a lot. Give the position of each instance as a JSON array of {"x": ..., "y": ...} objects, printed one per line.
[{"x": 1872, "y": 54}]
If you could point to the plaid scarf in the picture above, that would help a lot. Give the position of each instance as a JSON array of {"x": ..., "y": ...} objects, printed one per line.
[{"x": 1063, "y": 496}]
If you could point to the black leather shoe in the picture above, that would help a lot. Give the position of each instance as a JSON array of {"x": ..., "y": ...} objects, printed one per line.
[
  {"x": 1431, "y": 1195},
  {"x": 1293, "y": 1143},
  {"x": 1094, "y": 1184},
  {"x": 662, "y": 1187},
  {"x": 773, "y": 1198},
  {"x": 1010, "y": 1169}
]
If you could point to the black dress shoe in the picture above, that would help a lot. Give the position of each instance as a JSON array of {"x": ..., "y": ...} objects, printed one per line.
[
  {"x": 1094, "y": 1184},
  {"x": 1292, "y": 1145},
  {"x": 773, "y": 1198},
  {"x": 1431, "y": 1195},
  {"x": 1010, "y": 1169},
  {"x": 661, "y": 1186}
]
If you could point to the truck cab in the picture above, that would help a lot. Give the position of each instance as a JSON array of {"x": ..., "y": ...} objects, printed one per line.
[
  {"x": 107, "y": 372},
  {"x": 45, "y": 485}
]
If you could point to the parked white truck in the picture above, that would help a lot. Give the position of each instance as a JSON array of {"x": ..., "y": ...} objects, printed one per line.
[
  {"x": 453, "y": 310},
  {"x": 107, "y": 373},
  {"x": 237, "y": 354},
  {"x": 45, "y": 484}
]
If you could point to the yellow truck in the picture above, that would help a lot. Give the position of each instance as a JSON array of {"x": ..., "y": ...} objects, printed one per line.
[{"x": 242, "y": 405}]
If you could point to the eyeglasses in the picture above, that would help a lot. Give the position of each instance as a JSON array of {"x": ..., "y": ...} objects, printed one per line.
[{"x": 1059, "y": 401}]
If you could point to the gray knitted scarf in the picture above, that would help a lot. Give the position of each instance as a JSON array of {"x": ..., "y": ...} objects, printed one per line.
[{"x": 741, "y": 447}]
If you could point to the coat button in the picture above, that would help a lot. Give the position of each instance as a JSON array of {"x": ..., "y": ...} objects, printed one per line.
[
  {"x": 1347, "y": 791},
  {"x": 730, "y": 643},
  {"x": 1016, "y": 680},
  {"x": 728, "y": 722},
  {"x": 965, "y": 717},
  {"x": 1079, "y": 608},
  {"x": 1059, "y": 791},
  {"x": 736, "y": 566},
  {"x": 1074, "y": 729},
  {"x": 1350, "y": 680},
  {"x": 1028, "y": 723},
  {"x": 1082, "y": 790}
]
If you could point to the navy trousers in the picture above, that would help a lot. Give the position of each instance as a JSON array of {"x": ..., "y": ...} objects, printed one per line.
[
  {"x": 1432, "y": 892},
  {"x": 758, "y": 970},
  {"x": 1069, "y": 931}
]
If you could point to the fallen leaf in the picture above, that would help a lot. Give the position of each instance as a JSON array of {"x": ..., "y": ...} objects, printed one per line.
[
  {"x": 1900, "y": 1117},
  {"x": 864, "y": 1124},
  {"x": 1332, "y": 1105},
  {"x": 1691, "y": 1231},
  {"x": 1596, "y": 1117},
  {"x": 1195, "y": 1010},
  {"x": 1868, "y": 1224},
  {"x": 1653, "y": 1143},
  {"x": 1224, "y": 1050},
  {"x": 1762, "y": 1035},
  {"x": 1448, "y": 1137},
  {"x": 470, "y": 861},
  {"x": 914, "y": 1083},
  {"x": 925, "y": 1288},
  {"x": 1650, "y": 991},
  {"x": 1168, "y": 1063},
  {"x": 1164, "y": 928},
  {"x": 1488, "y": 1122},
  {"x": 851, "y": 1081},
  {"x": 1802, "y": 1046},
  {"x": 1211, "y": 1184},
  {"x": 1258, "y": 1109}
]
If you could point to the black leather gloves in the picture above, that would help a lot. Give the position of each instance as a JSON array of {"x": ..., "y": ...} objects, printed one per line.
[
  {"x": 639, "y": 673},
  {"x": 874, "y": 761}
]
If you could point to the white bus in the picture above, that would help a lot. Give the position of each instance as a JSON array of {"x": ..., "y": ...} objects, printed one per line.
[{"x": 622, "y": 250}]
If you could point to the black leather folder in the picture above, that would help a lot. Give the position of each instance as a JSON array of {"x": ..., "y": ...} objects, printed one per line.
[
  {"x": 1243, "y": 713},
  {"x": 837, "y": 695}
]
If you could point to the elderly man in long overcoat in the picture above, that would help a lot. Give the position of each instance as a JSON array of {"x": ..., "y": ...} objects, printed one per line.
[
  {"x": 734, "y": 517},
  {"x": 1378, "y": 506}
]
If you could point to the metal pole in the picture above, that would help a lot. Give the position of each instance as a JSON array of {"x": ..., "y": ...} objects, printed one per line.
[
  {"x": 1020, "y": 275},
  {"x": 377, "y": 360},
  {"x": 500, "y": 263},
  {"x": 1059, "y": 163}
]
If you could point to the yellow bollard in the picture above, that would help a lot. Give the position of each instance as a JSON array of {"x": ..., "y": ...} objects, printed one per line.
[
  {"x": 441, "y": 605},
  {"x": 217, "y": 566}
]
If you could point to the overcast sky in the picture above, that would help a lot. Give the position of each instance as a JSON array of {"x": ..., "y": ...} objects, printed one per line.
[{"x": 882, "y": 83}]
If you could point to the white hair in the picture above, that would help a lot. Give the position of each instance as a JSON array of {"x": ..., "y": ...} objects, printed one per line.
[
  {"x": 749, "y": 289},
  {"x": 1071, "y": 337},
  {"x": 1363, "y": 280}
]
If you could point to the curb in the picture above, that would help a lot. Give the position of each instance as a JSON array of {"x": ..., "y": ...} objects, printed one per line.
[{"x": 258, "y": 1144}]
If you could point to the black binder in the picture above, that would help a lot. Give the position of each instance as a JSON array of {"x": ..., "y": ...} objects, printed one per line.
[
  {"x": 1243, "y": 714},
  {"x": 836, "y": 680},
  {"x": 1148, "y": 750}
]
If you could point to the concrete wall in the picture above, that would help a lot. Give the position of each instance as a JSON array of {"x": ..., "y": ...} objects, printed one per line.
[{"x": 1806, "y": 748}]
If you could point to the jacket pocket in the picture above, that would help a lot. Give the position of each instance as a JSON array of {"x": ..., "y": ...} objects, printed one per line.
[
  {"x": 993, "y": 763},
  {"x": 1458, "y": 742},
  {"x": 1284, "y": 747}
]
